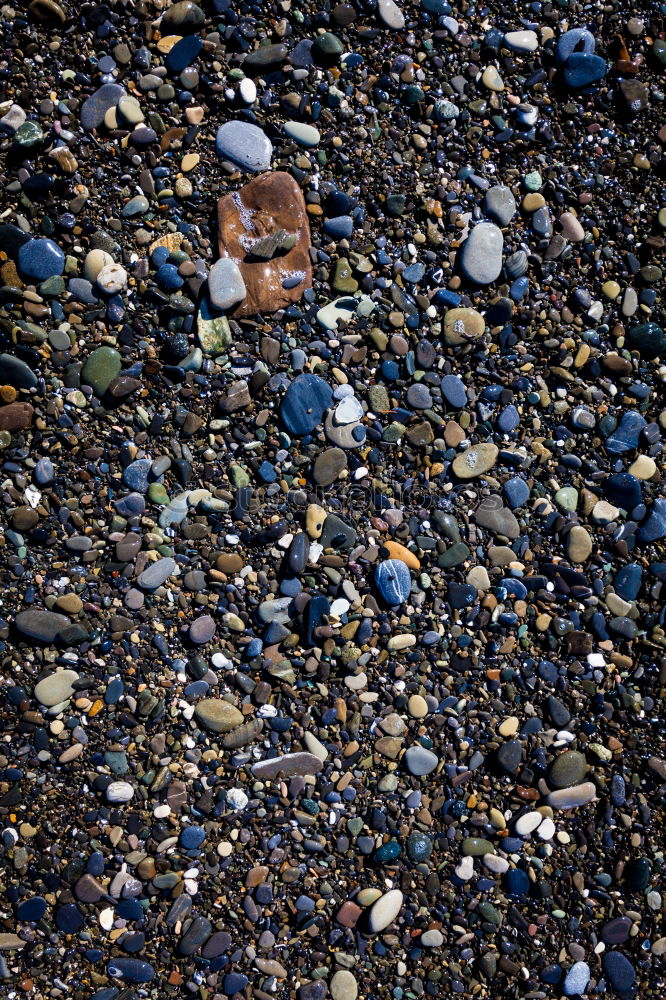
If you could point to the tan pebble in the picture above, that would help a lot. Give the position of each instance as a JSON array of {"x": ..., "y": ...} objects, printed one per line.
[
  {"x": 508, "y": 726},
  {"x": 194, "y": 115},
  {"x": 417, "y": 706},
  {"x": 167, "y": 42},
  {"x": 497, "y": 818},
  {"x": 189, "y": 162},
  {"x": 579, "y": 544},
  {"x": 643, "y": 468},
  {"x": 533, "y": 201},
  {"x": 314, "y": 520}
]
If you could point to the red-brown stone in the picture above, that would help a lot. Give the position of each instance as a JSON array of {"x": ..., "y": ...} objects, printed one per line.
[
  {"x": 270, "y": 202},
  {"x": 16, "y": 416}
]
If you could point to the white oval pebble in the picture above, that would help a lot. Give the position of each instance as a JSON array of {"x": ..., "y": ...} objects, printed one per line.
[
  {"x": 528, "y": 823},
  {"x": 237, "y": 798},
  {"x": 119, "y": 791},
  {"x": 495, "y": 863},
  {"x": 547, "y": 829},
  {"x": 112, "y": 278},
  {"x": 248, "y": 90},
  {"x": 385, "y": 910}
]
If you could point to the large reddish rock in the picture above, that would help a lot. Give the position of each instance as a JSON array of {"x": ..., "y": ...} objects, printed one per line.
[
  {"x": 270, "y": 205},
  {"x": 16, "y": 416}
]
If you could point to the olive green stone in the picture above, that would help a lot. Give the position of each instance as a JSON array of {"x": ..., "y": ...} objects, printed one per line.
[
  {"x": 475, "y": 847},
  {"x": 100, "y": 369},
  {"x": 343, "y": 279},
  {"x": 454, "y": 555},
  {"x": 567, "y": 770},
  {"x": 157, "y": 494}
]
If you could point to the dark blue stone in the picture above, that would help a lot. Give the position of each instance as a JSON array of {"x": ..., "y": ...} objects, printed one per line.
[
  {"x": 234, "y": 982},
  {"x": 519, "y": 288},
  {"x": 654, "y": 527},
  {"x": 454, "y": 391},
  {"x": 266, "y": 472},
  {"x": 626, "y": 436},
  {"x": 69, "y": 918},
  {"x": 649, "y": 340},
  {"x": 627, "y": 582},
  {"x": 623, "y": 490},
  {"x": 393, "y": 581},
  {"x": 315, "y": 609},
  {"x": 575, "y": 40},
  {"x": 619, "y": 971},
  {"x": 390, "y": 370},
  {"x": 167, "y": 275},
  {"x": 114, "y": 691},
  {"x": 517, "y": 882},
  {"x": 304, "y": 403},
  {"x": 159, "y": 256},
  {"x": 95, "y": 865},
  {"x": 461, "y": 595},
  {"x": 41, "y": 259},
  {"x": 31, "y": 910},
  {"x": 583, "y": 70},
  {"x": 130, "y": 909},
  {"x": 183, "y": 53},
  {"x": 637, "y": 874},
  {"x": 516, "y": 492},
  {"x": 133, "y": 970},
  {"x": 192, "y": 837}
]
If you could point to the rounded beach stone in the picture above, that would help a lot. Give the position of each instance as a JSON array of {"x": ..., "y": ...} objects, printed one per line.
[
  {"x": 475, "y": 461},
  {"x": 385, "y": 910},
  {"x": 245, "y": 145},
  {"x": 217, "y": 715},
  {"x": 481, "y": 254},
  {"x": 56, "y": 688},
  {"x": 393, "y": 581},
  {"x": 226, "y": 287}
]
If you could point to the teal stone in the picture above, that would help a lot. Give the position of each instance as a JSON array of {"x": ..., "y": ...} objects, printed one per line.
[
  {"x": 328, "y": 44},
  {"x": 419, "y": 847},
  {"x": 533, "y": 181},
  {"x": 28, "y": 134},
  {"x": 388, "y": 852},
  {"x": 637, "y": 874},
  {"x": 649, "y": 340},
  {"x": 396, "y": 204},
  {"x": 100, "y": 369},
  {"x": 488, "y": 912},
  {"x": 116, "y": 760}
]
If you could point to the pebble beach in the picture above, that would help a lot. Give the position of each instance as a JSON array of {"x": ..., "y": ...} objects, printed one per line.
[{"x": 332, "y": 507}]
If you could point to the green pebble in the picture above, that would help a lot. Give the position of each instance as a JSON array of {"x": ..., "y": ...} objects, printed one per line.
[
  {"x": 157, "y": 494},
  {"x": 475, "y": 847}
]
